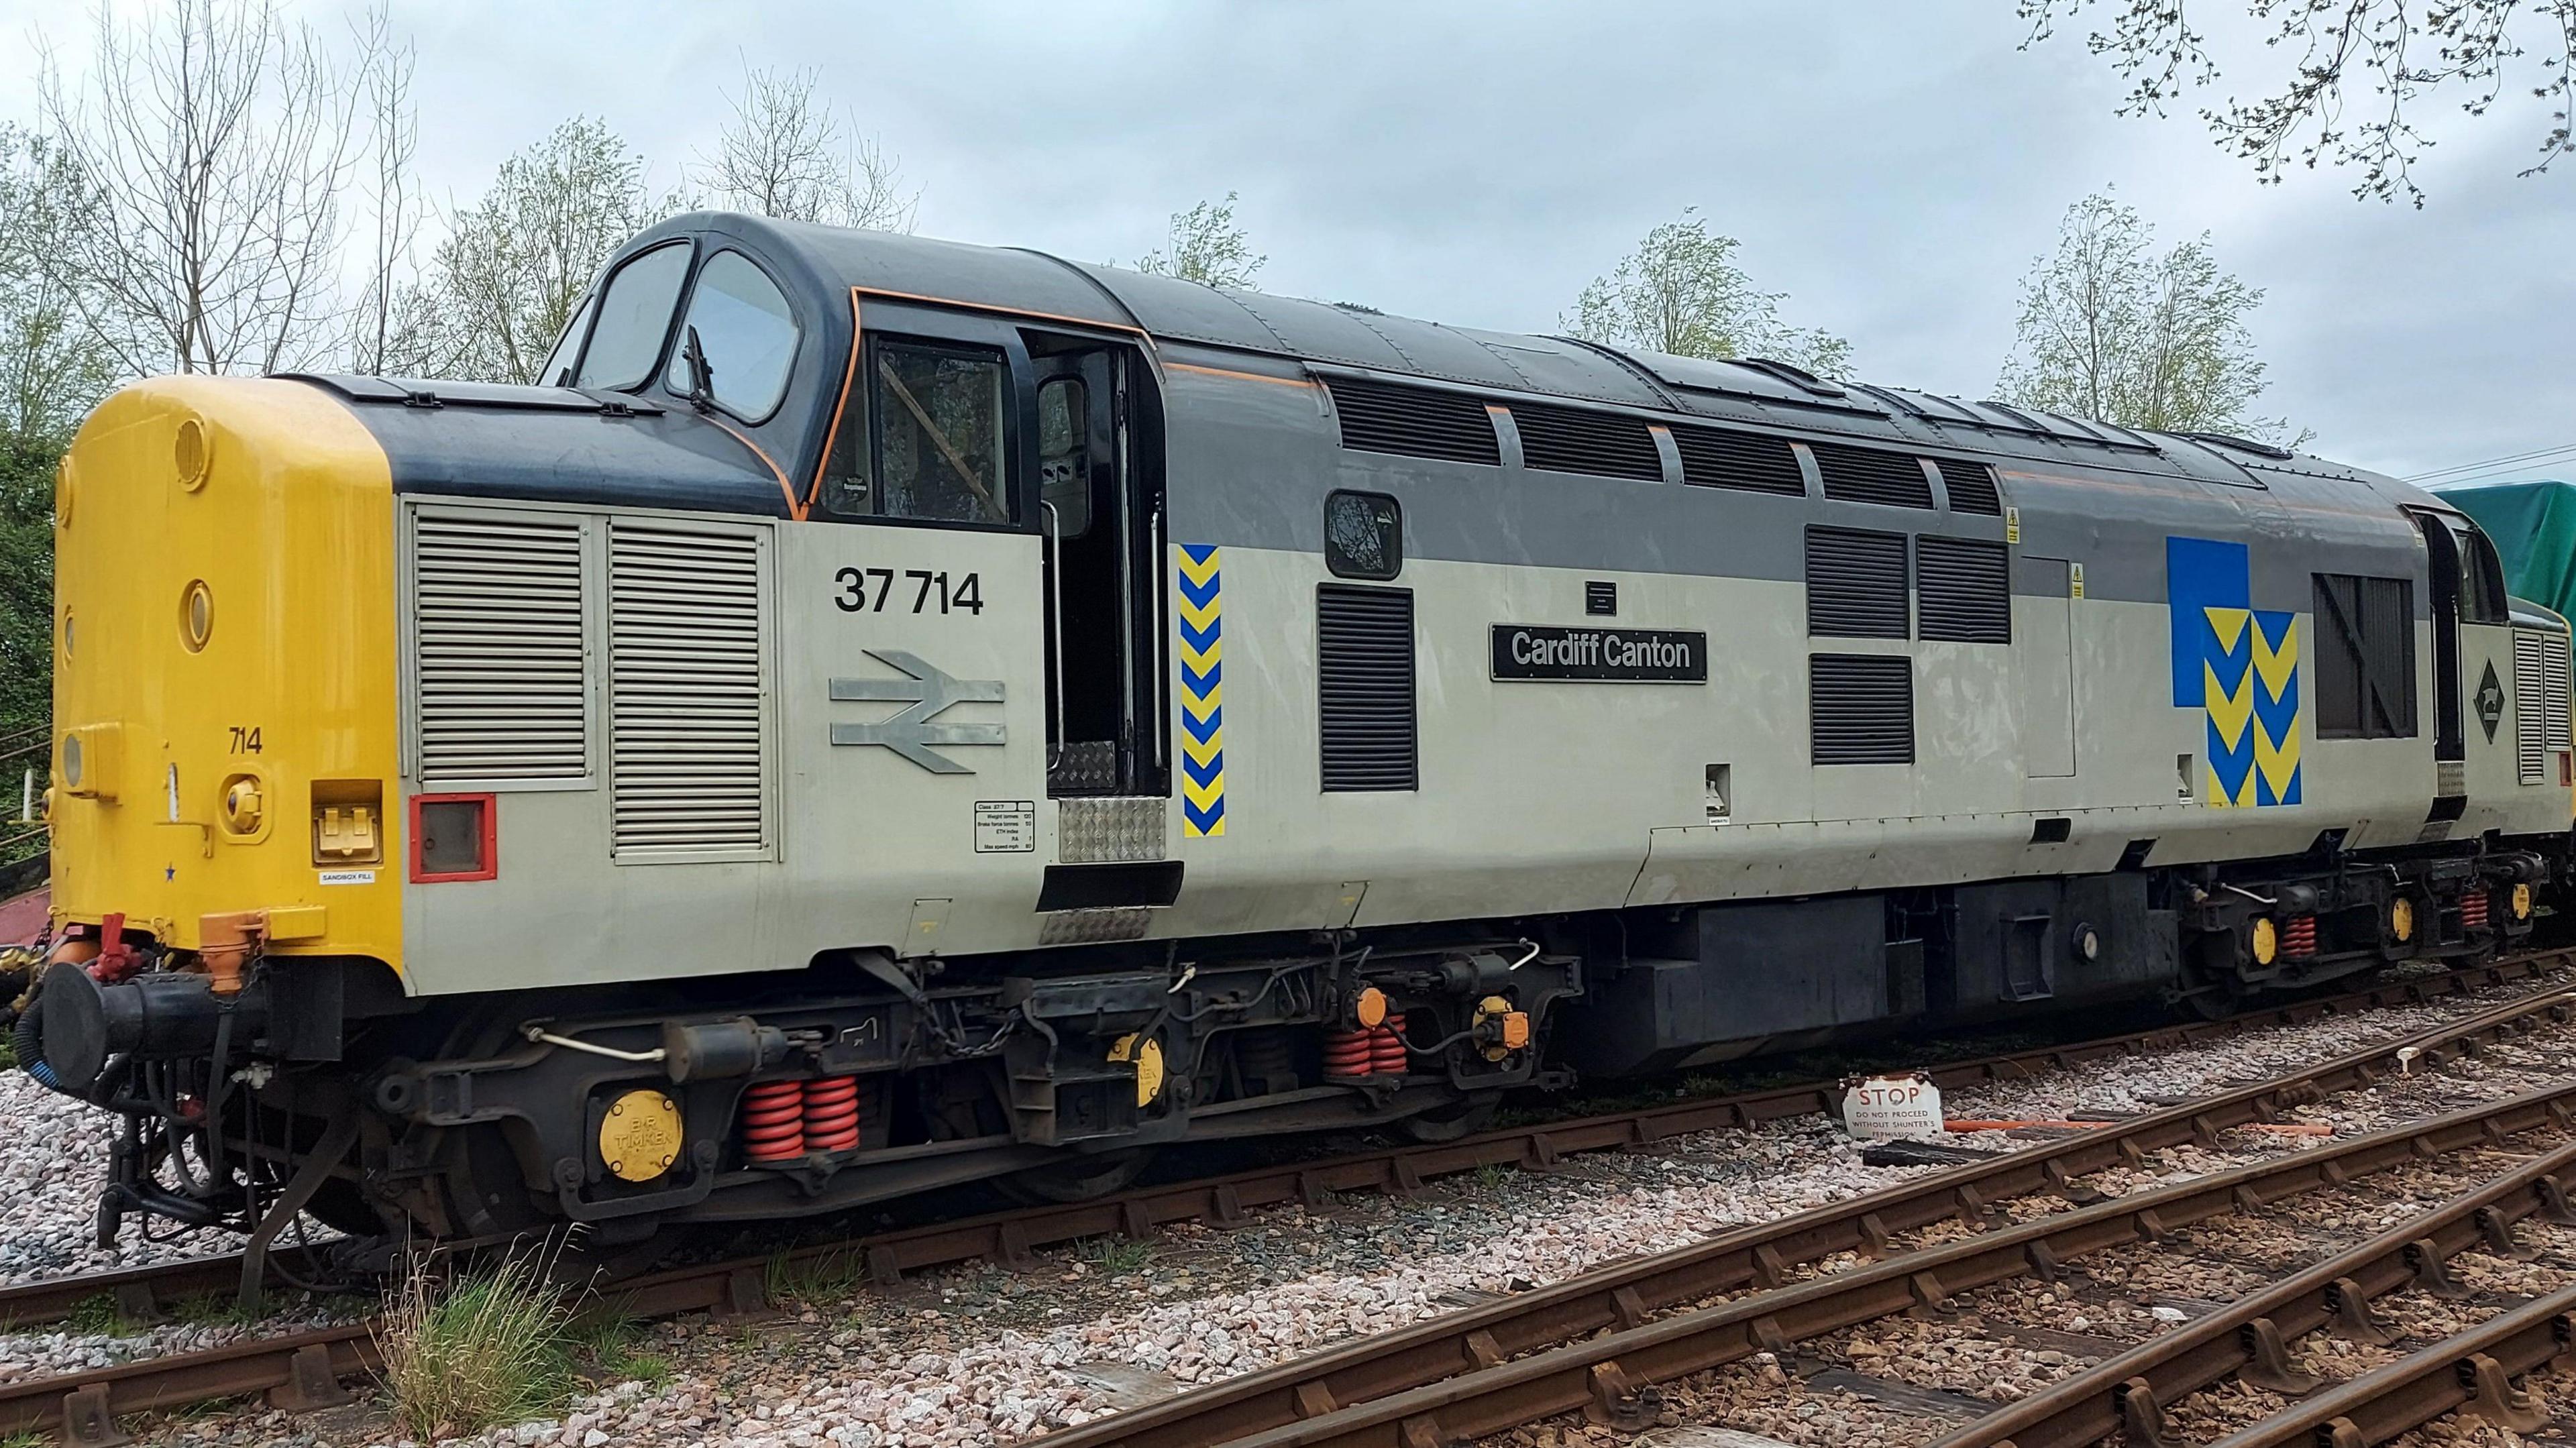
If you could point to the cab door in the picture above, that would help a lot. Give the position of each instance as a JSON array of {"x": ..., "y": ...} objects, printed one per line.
[{"x": 1101, "y": 519}]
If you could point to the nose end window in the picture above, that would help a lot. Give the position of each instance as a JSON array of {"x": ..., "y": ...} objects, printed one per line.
[
  {"x": 634, "y": 314},
  {"x": 739, "y": 323}
]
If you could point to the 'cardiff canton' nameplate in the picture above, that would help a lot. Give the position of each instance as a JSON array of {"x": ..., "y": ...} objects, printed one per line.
[{"x": 1600, "y": 655}]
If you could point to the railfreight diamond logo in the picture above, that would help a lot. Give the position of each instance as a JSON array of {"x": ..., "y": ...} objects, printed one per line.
[
  {"x": 1200, "y": 622},
  {"x": 2239, "y": 665}
]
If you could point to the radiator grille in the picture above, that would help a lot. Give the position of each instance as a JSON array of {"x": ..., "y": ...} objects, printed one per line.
[
  {"x": 686, "y": 687},
  {"x": 1570, "y": 440},
  {"x": 1743, "y": 460},
  {"x": 501, "y": 678},
  {"x": 1414, "y": 421},
  {"x": 1965, "y": 590},
  {"x": 1855, "y": 584},
  {"x": 1859, "y": 475},
  {"x": 1364, "y": 674},
  {"x": 2539, "y": 701},
  {"x": 1971, "y": 487},
  {"x": 1860, "y": 708}
]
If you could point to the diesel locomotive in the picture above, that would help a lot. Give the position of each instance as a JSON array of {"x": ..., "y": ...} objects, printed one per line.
[{"x": 885, "y": 713}]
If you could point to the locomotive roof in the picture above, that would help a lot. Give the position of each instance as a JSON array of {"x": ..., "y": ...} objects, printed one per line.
[{"x": 1328, "y": 335}]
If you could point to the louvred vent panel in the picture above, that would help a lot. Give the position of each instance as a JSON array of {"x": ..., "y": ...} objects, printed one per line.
[
  {"x": 1421, "y": 422},
  {"x": 1746, "y": 461},
  {"x": 1862, "y": 475},
  {"x": 1571, "y": 440}
]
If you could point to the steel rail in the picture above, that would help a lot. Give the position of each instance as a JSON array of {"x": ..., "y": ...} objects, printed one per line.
[
  {"x": 2247, "y": 1339},
  {"x": 143, "y": 1294},
  {"x": 1611, "y": 1377},
  {"x": 1392, "y": 1365},
  {"x": 302, "y": 1371},
  {"x": 2471, "y": 1370}
]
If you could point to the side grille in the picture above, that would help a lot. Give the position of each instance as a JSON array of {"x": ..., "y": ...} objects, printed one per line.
[
  {"x": 1964, "y": 588},
  {"x": 1742, "y": 460},
  {"x": 1570, "y": 440},
  {"x": 1859, "y": 475},
  {"x": 1860, "y": 708},
  {"x": 1364, "y": 687},
  {"x": 2540, "y": 686},
  {"x": 1417, "y": 422},
  {"x": 686, "y": 690},
  {"x": 500, "y": 674},
  {"x": 1971, "y": 487},
  {"x": 1855, "y": 584}
]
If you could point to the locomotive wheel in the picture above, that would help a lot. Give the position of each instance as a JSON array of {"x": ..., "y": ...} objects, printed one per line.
[
  {"x": 1464, "y": 1117},
  {"x": 342, "y": 1206},
  {"x": 1075, "y": 1178}
]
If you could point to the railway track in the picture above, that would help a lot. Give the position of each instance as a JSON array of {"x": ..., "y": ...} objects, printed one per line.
[{"x": 305, "y": 1370}]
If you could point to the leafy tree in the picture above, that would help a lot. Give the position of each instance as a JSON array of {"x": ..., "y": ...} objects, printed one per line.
[
  {"x": 2114, "y": 331},
  {"x": 1204, "y": 244},
  {"x": 1682, "y": 292},
  {"x": 2363, "y": 70},
  {"x": 503, "y": 283},
  {"x": 785, "y": 154}
]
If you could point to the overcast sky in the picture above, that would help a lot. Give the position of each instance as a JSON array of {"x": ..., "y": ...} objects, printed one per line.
[{"x": 1893, "y": 167}]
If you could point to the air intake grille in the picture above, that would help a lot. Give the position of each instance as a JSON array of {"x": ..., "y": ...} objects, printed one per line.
[
  {"x": 1855, "y": 584},
  {"x": 1569, "y": 440},
  {"x": 1971, "y": 487},
  {"x": 1965, "y": 590},
  {"x": 1364, "y": 673},
  {"x": 1742, "y": 460},
  {"x": 2539, "y": 701},
  {"x": 1414, "y": 421},
  {"x": 1860, "y": 708},
  {"x": 685, "y": 691},
  {"x": 1858, "y": 475},
  {"x": 501, "y": 681}
]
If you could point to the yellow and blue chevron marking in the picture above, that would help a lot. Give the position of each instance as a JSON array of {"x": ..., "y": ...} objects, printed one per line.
[
  {"x": 1201, "y": 624},
  {"x": 2240, "y": 666}
]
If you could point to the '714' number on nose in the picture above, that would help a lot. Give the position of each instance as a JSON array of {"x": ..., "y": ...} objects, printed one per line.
[{"x": 865, "y": 590}]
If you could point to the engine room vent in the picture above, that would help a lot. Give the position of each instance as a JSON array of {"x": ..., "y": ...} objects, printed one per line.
[
  {"x": 1856, "y": 584},
  {"x": 687, "y": 689},
  {"x": 1971, "y": 487},
  {"x": 1747, "y": 461},
  {"x": 1859, "y": 475},
  {"x": 1860, "y": 708},
  {"x": 1364, "y": 687},
  {"x": 1420, "y": 422},
  {"x": 1570, "y": 440},
  {"x": 500, "y": 674},
  {"x": 1963, "y": 588},
  {"x": 2539, "y": 702}
]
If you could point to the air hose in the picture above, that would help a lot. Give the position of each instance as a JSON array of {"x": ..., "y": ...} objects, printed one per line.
[{"x": 27, "y": 1039}]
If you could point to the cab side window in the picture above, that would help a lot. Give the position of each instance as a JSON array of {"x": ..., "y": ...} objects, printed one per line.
[
  {"x": 935, "y": 438},
  {"x": 740, "y": 325},
  {"x": 1064, "y": 454},
  {"x": 634, "y": 314},
  {"x": 558, "y": 369}
]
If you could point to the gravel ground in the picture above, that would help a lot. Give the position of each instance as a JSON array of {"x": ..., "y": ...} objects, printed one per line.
[{"x": 978, "y": 1355}]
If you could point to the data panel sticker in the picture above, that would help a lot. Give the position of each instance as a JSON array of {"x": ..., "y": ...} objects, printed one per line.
[{"x": 1006, "y": 826}]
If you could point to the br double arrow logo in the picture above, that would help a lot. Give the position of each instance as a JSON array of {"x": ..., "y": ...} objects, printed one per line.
[{"x": 926, "y": 691}]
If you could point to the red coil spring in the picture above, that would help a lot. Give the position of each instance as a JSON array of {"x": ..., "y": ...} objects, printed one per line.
[
  {"x": 1347, "y": 1053},
  {"x": 2473, "y": 910},
  {"x": 1386, "y": 1053},
  {"x": 832, "y": 1114},
  {"x": 773, "y": 1121},
  {"x": 2299, "y": 936}
]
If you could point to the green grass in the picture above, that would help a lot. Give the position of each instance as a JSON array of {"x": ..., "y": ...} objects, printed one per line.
[
  {"x": 97, "y": 1317},
  {"x": 213, "y": 1309},
  {"x": 613, "y": 1346},
  {"x": 24, "y": 1440},
  {"x": 816, "y": 1281},
  {"x": 490, "y": 1347},
  {"x": 1114, "y": 1255},
  {"x": 1491, "y": 1176}
]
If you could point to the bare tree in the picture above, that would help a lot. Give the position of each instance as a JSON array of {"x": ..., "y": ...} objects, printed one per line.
[
  {"x": 2363, "y": 69},
  {"x": 1682, "y": 292},
  {"x": 1204, "y": 244},
  {"x": 52, "y": 366},
  {"x": 213, "y": 140},
  {"x": 504, "y": 282},
  {"x": 786, "y": 154},
  {"x": 2112, "y": 331},
  {"x": 380, "y": 342}
]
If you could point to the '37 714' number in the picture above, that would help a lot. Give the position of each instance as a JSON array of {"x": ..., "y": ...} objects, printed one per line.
[{"x": 865, "y": 590}]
